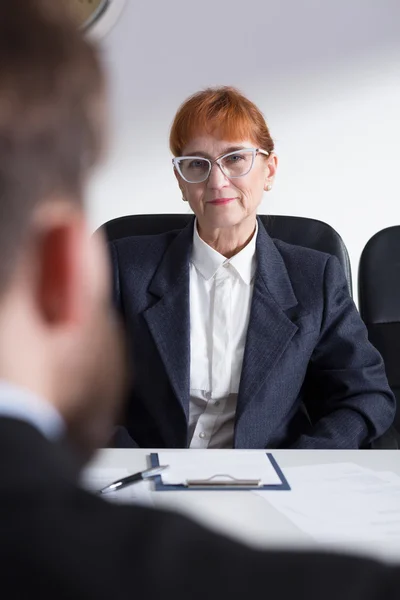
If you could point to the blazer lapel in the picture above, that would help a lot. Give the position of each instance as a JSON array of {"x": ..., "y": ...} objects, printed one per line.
[
  {"x": 270, "y": 329},
  {"x": 169, "y": 318}
]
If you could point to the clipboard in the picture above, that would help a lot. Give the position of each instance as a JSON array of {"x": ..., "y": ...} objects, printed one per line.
[{"x": 222, "y": 482}]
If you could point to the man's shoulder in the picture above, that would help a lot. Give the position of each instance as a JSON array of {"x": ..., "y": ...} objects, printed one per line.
[{"x": 119, "y": 545}]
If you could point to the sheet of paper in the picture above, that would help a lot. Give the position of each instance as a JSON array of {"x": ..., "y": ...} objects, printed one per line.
[
  {"x": 338, "y": 477},
  {"x": 94, "y": 479},
  {"x": 342, "y": 503},
  {"x": 198, "y": 464}
]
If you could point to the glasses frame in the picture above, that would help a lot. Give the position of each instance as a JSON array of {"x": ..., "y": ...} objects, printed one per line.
[{"x": 217, "y": 161}]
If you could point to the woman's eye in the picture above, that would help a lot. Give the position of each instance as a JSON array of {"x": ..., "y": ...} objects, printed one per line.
[
  {"x": 197, "y": 164},
  {"x": 235, "y": 158}
]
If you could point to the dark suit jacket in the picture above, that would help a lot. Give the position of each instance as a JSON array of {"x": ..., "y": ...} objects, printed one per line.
[
  {"x": 310, "y": 378},
  {"x": 58, "y": 542}
]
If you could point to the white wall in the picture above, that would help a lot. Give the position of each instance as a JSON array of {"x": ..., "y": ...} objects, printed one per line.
[{"x": 325, "y": 74}]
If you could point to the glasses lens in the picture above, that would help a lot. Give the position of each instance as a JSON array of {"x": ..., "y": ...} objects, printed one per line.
[
  {"x": 237, "y": 164},
  {"x": 195, "y": 169}
]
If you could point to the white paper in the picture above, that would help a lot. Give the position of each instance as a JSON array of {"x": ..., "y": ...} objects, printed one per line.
[
  {"x": 219, "y": 464},
  {"x": 342, "y": 503},
  {"x": 94, "y": 479}
]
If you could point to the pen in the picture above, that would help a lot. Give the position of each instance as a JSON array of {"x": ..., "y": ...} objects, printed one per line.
[{"x": 121, "y": 483}]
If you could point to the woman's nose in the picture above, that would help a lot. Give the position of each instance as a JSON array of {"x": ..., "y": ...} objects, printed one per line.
[{"x": 217, "y": 179}]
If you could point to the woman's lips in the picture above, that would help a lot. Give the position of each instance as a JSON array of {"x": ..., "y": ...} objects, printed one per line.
[{"x": 219, "y": 201}]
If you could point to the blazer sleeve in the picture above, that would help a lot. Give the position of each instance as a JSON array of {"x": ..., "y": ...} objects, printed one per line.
[{"x": 346, "y": 390}]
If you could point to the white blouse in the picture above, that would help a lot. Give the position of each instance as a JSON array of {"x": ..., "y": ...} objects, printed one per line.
[{"x": 220, "y": 299}]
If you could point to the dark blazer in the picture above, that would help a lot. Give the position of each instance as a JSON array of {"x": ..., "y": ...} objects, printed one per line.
[
  {"x": 310, "y": 378},
  {"x": 58, "y": 542}
]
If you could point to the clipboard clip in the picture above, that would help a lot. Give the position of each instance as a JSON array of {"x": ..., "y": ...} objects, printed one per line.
[{"x": 222, "y": 481}]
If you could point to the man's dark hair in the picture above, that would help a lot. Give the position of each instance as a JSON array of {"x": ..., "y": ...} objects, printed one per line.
[{"x": 51, "y": 92}]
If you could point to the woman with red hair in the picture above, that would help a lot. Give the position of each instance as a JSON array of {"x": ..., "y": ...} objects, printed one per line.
[{"x": 239, "y": 340}]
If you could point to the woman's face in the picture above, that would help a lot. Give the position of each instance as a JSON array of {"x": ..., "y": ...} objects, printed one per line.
[{"x": 220, "y": 202}]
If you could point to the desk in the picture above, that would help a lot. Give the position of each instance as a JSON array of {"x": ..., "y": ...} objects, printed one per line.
[{"x": 244, "y": 515}]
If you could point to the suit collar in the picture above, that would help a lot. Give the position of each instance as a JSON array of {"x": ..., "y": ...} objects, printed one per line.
[
  {"x": 168, "y": 318},
  {"x": 174, "y": 266},
  {"x": 271, "y": 324},
  {"x": 272, "y": 272},
  {"x": 22, "y": 404}
]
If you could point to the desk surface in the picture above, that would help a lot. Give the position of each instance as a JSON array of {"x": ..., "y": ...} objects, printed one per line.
[{"x": 245, "y": 515}]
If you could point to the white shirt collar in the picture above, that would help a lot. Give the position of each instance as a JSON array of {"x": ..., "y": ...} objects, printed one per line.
[
  {"x": 21, "y": 404},
  {"x": 207, "y": 260}
]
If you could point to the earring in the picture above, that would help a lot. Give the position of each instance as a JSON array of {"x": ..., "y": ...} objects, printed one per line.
[{"x": 269, "y": 187}]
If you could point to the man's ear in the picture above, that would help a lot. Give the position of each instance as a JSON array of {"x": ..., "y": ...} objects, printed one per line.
[{"x": 62, "y": 263}]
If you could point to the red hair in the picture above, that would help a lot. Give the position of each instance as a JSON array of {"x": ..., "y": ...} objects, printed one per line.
[{"x": 222, "y": 109}]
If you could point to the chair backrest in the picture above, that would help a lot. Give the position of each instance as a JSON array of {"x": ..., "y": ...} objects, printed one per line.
[
  {"x": 301, "y": 231},
  {"x": 379, "y": 301}
]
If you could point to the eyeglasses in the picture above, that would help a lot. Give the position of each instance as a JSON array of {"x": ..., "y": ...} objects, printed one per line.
[{"x": 196, "y": 169}]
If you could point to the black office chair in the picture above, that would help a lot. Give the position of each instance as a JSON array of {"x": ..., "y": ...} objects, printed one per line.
[
  {"x": 379, "y": 301},
  {"x": 294, "y": 230}
]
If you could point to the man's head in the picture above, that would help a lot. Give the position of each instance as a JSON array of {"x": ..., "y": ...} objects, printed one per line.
[{"x": 58, "y": 334}]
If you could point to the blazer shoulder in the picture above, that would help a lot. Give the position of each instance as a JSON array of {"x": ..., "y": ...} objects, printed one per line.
[
  {"x": 142, "y": 250},
  {"x": 301, "y": 257},
  {"x": 307, "y": 270}
]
